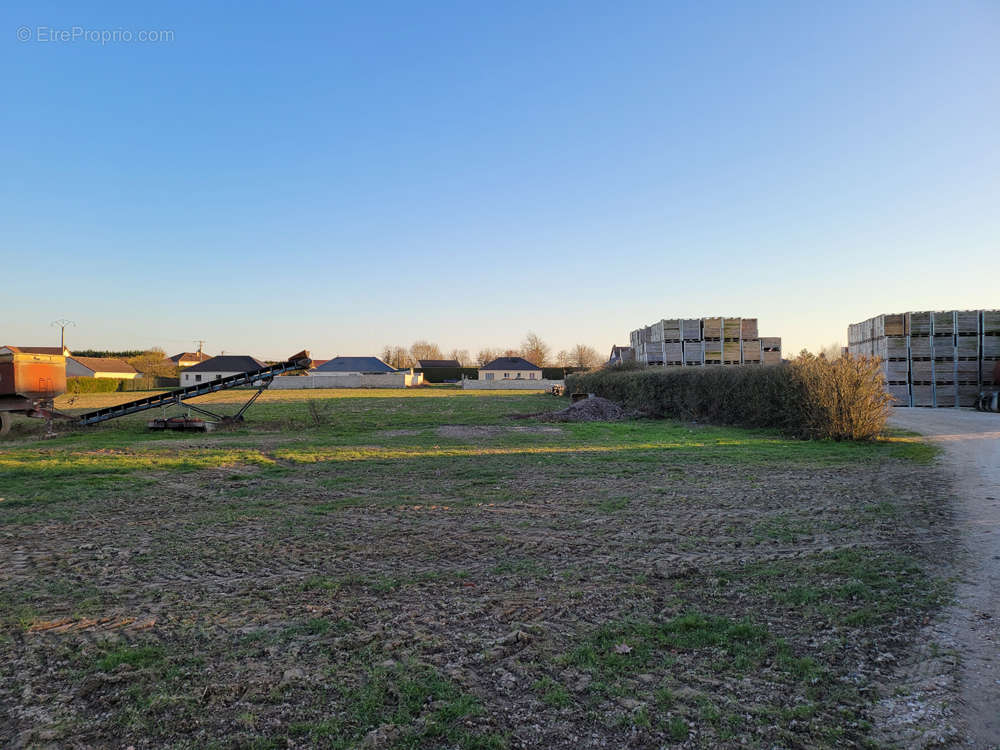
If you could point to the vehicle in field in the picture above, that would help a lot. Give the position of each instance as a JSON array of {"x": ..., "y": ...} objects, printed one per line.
[{"x": 29, "y": 384}]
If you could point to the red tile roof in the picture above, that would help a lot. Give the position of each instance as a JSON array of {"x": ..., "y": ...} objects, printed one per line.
[
  {"x": 190, "y": 357},
  {"x": 105, "y": 364},
  {"x": 35, "y": 349}
]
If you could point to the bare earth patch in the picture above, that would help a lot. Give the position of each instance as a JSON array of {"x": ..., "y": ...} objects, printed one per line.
[{"x": 711, "y": 596}]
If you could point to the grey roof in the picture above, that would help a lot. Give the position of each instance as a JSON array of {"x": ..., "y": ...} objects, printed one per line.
[
  {"x": 510, "y": 363},
  {"x": 438, "y": 363},
  {"x": 354, "y": 364},
  {"x": 228, "y": 363}
]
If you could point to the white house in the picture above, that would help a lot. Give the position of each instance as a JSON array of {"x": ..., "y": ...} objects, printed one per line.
[
  {"x": 510, "y": 368},
  {"x": 217, "y": 368}
]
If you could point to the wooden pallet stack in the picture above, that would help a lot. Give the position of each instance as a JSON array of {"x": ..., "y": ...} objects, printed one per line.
[
  {"x": 694, "y": 342},
  {"x": 770, "y": 350},
  {"x": 931, "y": 358},
  {"x": 990, "y": 349}
]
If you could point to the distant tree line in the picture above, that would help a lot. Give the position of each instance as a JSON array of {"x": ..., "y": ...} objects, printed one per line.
[
  {"x": 151, "y": 362},
  {"x": 533, "y": 349},
  {"x": 101, "y": 353}
]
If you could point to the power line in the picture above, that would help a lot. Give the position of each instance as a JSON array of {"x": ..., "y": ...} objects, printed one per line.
[{"x": 61, "y": 323}]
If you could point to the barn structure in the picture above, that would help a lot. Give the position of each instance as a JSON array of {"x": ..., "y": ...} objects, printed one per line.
[{"x": 99, "y": 367}]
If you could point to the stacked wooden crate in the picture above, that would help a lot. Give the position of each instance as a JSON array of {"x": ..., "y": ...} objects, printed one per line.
[
  {"x": 693, "y": 342},
  {"x": 990, "y": 349},
  {"x": 770, "y": 350},
  {"x": 929, "y": 358},
  {"x": 712, "y": 331}
]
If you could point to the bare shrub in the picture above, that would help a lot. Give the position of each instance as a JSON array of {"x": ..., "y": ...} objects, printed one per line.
[
  {"x": 319, "y": 411},
  {"x": 811, "y": 398},
  {"x": 845, "y": 398}
]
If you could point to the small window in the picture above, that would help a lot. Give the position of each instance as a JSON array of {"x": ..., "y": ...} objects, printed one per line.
[{"x": 197, "y": 378}]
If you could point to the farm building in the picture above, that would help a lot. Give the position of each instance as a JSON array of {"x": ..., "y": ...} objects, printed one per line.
[
  {"x": 353, "y": 366},
  {"x": 99, "y": 367},
  {"x": 59, "y": 351},
  {"x": 937, "y": 359},
  {"x": 189, "y": 359},
  {"x": 510, "y": 368},
  {"x": 694, "y": 342},
  {"x": 216, "y": 368},
  {"x": 351, "y": 372},
  {"x": 430, "y": 364},
  {"x": 440, "y": 370}
]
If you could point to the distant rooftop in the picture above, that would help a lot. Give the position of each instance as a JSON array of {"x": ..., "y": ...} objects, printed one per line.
[
  {"x": 510, "y": 363},
  {"x": 354, "y": 364},
  {"x": 190, "y": 357},
  {"x": 228, "y": 363},
  {"x": 34, "y": 349},
  {"x": 105, "y": 364}
]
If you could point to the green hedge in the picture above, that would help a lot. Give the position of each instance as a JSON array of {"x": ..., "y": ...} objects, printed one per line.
[
  {"x": 93, "y": 385},
  {"x": 558, "y": 373},
  {"x": 112, "y": 385},
  {"x": 810, "y": 397}
]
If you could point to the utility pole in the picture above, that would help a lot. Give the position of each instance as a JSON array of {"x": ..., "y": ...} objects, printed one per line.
[{"x": 61, "y": 325}]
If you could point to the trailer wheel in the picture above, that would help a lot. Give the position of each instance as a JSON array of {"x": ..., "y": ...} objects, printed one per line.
[{"x": 4, "y": 423}]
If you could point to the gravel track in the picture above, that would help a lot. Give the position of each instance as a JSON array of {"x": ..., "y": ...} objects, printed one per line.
[{"x": 971, "y": 444}]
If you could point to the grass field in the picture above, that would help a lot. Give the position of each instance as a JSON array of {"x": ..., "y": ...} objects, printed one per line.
[{"x": 414, "y": 569}]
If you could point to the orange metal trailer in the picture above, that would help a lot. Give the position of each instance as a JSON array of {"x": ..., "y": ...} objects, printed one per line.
[{"x": 28, "y": 385}]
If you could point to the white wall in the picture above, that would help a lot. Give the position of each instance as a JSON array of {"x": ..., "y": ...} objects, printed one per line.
[
  {"x": 188, "y": 378},
  {"x": 381, "y": 380},
  {"x": 511, "y": 374},
  {"x": 511, "y": 385}
]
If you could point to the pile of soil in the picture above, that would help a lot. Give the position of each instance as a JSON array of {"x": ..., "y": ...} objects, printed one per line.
[{"x": 595, "y": 409}]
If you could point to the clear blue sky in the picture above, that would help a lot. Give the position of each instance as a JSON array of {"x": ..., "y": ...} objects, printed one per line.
[{"x": 340, "y": 176}]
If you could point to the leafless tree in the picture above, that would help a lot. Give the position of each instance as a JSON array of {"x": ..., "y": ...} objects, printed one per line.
[
  {"x": 831, "y": 352},
  {"x": 535, "y": 350},
  {"x": 425, "y": 350},
  {"x": 396, "y": 356},
  {"x": 586, "y": 357},
  {"x": 563, "y": 359},
  {"x": 462, "y": 356},
  {"x": 485, "y": 356}
]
